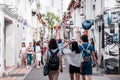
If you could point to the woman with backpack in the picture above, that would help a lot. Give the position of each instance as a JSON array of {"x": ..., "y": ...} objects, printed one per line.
[
  {"x": 74, "y": 59},
  {"x": 88, "y": 55},
  {"x": 54, "y": 60}
]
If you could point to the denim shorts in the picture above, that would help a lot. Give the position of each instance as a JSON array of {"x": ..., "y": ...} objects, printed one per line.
[{"x": 86, "y": 68}]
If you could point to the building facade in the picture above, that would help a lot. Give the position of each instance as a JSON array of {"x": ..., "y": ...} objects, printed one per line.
[
  {"x": 104, "y": 16},
  {"x": 13, "y": 14}
]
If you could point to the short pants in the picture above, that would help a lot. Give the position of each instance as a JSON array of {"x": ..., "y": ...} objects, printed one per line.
[
  {"x": 74, "y": 69},
  {"x": 86, "y": 68}
]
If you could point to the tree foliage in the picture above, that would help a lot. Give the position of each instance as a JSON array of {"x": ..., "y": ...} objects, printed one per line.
[{"x": 51, "y": 18}]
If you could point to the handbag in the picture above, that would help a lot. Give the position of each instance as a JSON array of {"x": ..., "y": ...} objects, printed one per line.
[{"x": 46, "y": 69}]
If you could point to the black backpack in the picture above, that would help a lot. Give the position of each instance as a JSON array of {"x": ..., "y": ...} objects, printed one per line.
[{"x": 53, "y": 61}]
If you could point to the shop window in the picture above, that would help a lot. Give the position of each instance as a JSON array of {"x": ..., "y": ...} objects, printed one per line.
[{"x": 112, "y": 28}]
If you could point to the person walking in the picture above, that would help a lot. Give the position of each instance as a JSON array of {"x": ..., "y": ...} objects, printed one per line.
[
  {"x": 92, "y": 42},
  {"x": 22, "y": 54},
  {"x": 53, "y": 56},
  {"x": 30, "y": 52},
  {"x": 74, "y": 59},
  {"x": 88, "y": 55},
  {"x": 38, "y": 56},
  {"x": 60, "y": 45}
]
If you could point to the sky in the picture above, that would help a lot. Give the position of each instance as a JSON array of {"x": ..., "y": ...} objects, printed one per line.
[{"x": 47, "y": 3}]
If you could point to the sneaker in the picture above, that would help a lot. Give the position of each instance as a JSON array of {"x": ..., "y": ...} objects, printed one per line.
[
  {"x": 28, "y": 67},
  {"x": 38, "y": 67},
  {"x": 63, "y": 66}
]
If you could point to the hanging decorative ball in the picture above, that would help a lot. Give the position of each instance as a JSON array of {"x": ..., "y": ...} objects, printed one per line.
[{"x": 87, "y": 24}]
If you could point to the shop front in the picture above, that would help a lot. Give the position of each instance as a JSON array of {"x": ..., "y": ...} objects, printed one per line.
[
  {"x": 111, "y": 54},
  {"x": 7, "y": 41}
]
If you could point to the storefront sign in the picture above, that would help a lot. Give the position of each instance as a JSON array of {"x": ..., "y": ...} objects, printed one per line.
[{"x": 86, "y": 24}]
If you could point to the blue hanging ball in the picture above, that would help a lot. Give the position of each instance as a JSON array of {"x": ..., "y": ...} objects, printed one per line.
[{"x": 87, "y": 24}]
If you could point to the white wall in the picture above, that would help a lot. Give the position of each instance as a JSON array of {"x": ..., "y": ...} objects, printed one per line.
[
  {"x": 10, "y": 43},
  {"x": 1, "y": 44},
  {"x": 89, "y": 9},
  {"x": 110, "y": 3},
  {"x": 78, "y": 18},
  {"x": 18, "y": 40},
  {"x": 24, "y": 10},
  {"x": 98, "y": 7}
]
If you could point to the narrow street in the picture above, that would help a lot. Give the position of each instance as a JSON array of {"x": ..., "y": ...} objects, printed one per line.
[
  {"x": 30, "y": 29},
  {"x": 37, "y": 74}
]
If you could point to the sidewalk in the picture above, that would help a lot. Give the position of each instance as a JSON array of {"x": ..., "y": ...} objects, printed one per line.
[{"x": 18, "y": 74}]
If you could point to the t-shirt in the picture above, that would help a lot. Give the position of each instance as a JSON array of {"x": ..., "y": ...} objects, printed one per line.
[
  {"x": 23, "y": 50},
  {"x": 30, "y": 50},
  {"x": 53, "y": 50},
  {"x": 38, "y": 49},
  {"x": 85, "y": 45},
  {"x": 73, "y": 58}
]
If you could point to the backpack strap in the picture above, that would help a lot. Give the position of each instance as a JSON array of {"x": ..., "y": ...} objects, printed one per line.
[
  {"x": 54, "y": 53},
  {"x": 88, "y": 46},
  {"x": 84, "y": 48}
]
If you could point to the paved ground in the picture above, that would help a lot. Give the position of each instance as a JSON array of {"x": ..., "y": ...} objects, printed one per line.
[
  {"x": 18, "y": 74},
  {"x": 37, "y": 74}
]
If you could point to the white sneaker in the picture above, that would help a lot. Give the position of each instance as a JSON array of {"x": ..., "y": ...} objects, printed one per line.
[
  {"x": 38, "y": 67},
  {"x": 63, "y": 66},
  {"x": 28, "y": 67}
]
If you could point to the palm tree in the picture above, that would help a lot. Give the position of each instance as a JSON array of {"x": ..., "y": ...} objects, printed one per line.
[{"x": 51, "y": 18}]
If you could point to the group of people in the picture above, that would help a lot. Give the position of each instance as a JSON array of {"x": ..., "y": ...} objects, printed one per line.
[
  {"x": 29, "y": 54},
  {"x": 80, "y": 56}
]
